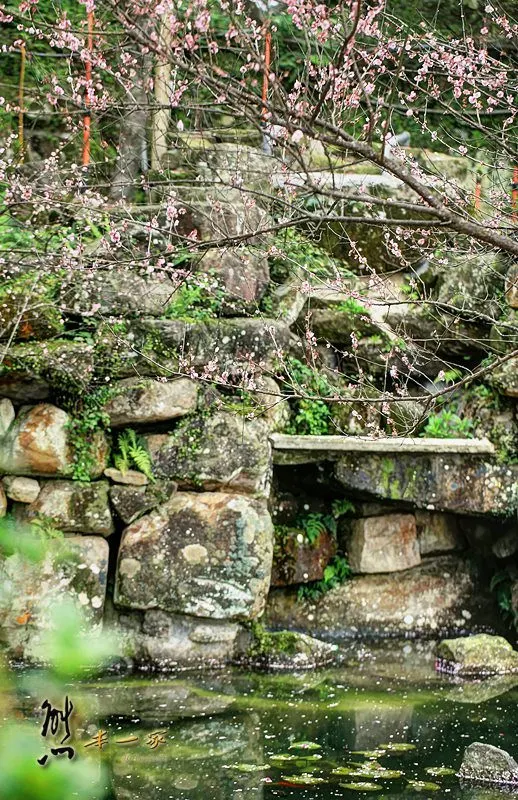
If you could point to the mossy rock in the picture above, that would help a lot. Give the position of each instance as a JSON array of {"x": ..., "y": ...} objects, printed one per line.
[
  {"x": 28, "y": 309},
  {"x": 65, "y": 366},
  {"x": 476, "y": 656},
  {"x": 485, "y": 763},
  {"x": 282, "y": 650}
]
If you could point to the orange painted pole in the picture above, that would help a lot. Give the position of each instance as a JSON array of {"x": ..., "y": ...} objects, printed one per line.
[
  {"x": 88, "y": 74},
  {"x": 266, "y": 73},
  {"x": 478, "y": 194}
]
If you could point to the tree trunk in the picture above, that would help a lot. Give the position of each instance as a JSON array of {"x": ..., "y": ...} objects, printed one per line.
[
  {"x": 132, "y": 150},
  {"x": 162, "y": 113}
]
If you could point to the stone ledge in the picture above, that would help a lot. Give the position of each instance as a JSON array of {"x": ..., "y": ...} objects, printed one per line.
[{"x": 327, "y": 446}]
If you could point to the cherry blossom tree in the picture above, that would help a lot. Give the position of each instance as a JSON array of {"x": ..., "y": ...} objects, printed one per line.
[{"x": 420, "y": 238}]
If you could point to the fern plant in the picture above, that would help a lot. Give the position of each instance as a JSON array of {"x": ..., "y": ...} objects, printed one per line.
[
  {"x": 336, "y": 572},
  {"x": 132, "y": 452},
  {"x": 314, "y": 525}
]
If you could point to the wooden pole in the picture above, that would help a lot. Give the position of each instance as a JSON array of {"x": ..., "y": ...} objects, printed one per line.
[
  {"x": 21, "y": 90},
  {"x": 87, "y": 119},
  {"x": 162, "y": 113},
  {"x": 266, "y": 72}
]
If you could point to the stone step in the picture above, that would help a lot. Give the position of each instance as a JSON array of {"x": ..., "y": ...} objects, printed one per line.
[{"x": 312, "y": 448}]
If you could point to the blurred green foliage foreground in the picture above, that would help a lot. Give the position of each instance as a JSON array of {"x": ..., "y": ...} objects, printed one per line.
[{"x": 68, "y": 651}]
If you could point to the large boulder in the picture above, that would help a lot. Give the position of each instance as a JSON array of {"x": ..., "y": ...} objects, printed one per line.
[
  {"x": 118, "y": 291},
  {"x": 207, "y": 554},
  {"x": 221, "y": 213},
  {"x": 486, "y": 763},
  {"x": 235, "y": 346},
  {"x": 23, "y": 388},
  {"x": 386, "y": 543},
  {"x": 209, "y": 348},
  {"x": 140, "y": 400},
  {"x": 341, "y": 325},
  {"x": 439, "y": 335},
  {"x": 219, "y": 452},
  {"x": 29, "y": 369},
  {"x": 74, "y": 567},
  {"x": 505, "y": 378},
  {"x": 439, "y": 595},
  {"x": 238, "y": 164},
  {"x": 37, "y": 443},
  {"x": 21, "y": 490},
  {"x": 74, "y": 507},
  {"x": 458, "y": 483},
  {"x": 165, "y": 641},
  {"x": 471, "y": 282},
  {"x": 475, "y": 656},
  {"x": 241, "y": 277}
]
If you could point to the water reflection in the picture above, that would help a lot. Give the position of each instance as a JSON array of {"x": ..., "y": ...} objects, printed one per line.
[{"x": 236, "y": 735}]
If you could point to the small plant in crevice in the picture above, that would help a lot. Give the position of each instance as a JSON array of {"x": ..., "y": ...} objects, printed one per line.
[
  {"x": 448, "y": 425},
  {"x": 132, "y": 453},
  {"x": 87, "y": 419},
  {"x": 312, "y": 415},
  {"x": 502, "y": 585},
  {"x": 316, "y": 523},
  {"x": 198, "y": 298},
  {"x": 336, "y": 572},
  {"x": 352, "y": 307}
]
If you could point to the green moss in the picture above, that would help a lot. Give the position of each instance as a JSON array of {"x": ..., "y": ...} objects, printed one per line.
[
  {"x": 87, "y": 421},
  {"x": 294, "y": 252},
  {"x": 388, "y": 466},
  {"x": 267, "y": 643},
  {"x": 199, "y": 298},
  {"x": 28, "y": 304}
]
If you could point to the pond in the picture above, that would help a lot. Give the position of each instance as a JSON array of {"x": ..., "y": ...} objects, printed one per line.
[{"x": 382, "y": 722}]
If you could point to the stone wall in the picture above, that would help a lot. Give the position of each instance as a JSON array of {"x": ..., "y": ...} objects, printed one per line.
[{"x": 139, "y": 446}]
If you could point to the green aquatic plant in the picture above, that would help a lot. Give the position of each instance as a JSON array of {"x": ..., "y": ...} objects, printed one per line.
[
  {"x": 423, "y": 786},
  {"x": 439, "y": 772},
  {"x": 398, "y": 747},
  {"x": 305, "y": 746},
  {"x": 247, "y": 768},
  {"x": 305, "y": 779},
  {"x": 363, "y": 786}
]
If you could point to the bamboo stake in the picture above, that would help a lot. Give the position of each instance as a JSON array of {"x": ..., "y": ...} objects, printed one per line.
[
  {"x": 21, "y": 88},
  {"x": 87, "y": 120}
]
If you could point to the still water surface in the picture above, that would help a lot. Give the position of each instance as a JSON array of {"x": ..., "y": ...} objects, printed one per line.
[{"x": 235, "y": 735}]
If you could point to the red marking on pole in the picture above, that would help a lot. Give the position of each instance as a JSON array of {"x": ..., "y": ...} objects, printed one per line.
[
  {"x": 266, "y": 73},
  {"x": 88, "y": 76},
  {"x": 514, "y": 195},
  {"x": 478, "y": 195}
]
